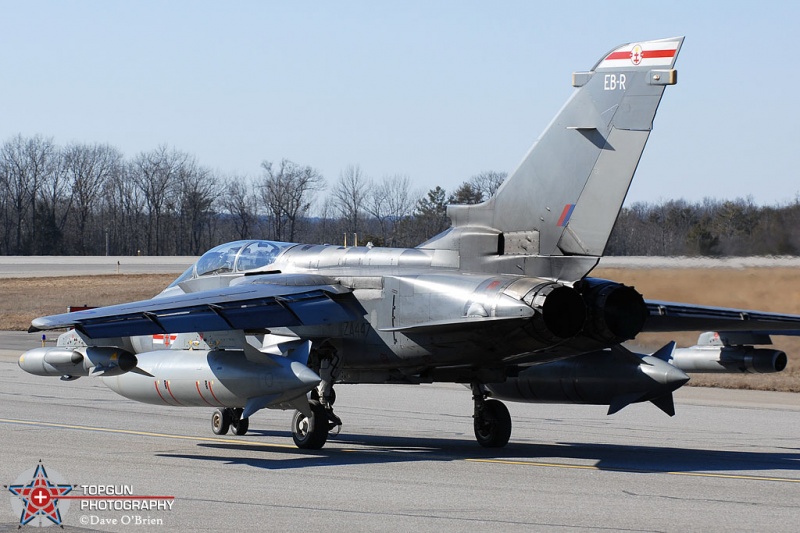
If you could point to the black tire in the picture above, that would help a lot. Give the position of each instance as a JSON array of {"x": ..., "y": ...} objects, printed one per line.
[
  {"x": 493, "y": 427},
  {"x": 221, "y": 421},
  {"x": 310, "y": 440},
  {"x": 240, "y": 426}
]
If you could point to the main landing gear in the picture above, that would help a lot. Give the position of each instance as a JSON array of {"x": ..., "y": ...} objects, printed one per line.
[
  {"x": 229, "y": 419},
  {"x": 312, "y": 432},
  {"x": 491, "y": 420}
]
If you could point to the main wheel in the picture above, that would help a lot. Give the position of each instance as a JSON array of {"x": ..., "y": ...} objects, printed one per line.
[
  {"x": 221, "y": 421},
  {"x": 239, "y": 425},
  {"x": 310, "y": 434},
  {"x": 493, "y": 426}
]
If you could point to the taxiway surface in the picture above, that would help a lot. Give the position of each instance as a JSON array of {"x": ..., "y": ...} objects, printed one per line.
[
  {"x": 47, "y": 266},
  {"x": 407, "y": 461}
]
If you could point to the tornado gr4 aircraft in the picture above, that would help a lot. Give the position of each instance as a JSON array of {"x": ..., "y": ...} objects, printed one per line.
[{"x": 502, "y": 301}]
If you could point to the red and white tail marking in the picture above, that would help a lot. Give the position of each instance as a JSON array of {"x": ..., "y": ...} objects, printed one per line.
[{"x": 646, "y": 54}]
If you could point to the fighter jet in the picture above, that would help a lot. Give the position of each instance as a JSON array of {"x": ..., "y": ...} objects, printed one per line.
[{"x": 501, "y": 302}]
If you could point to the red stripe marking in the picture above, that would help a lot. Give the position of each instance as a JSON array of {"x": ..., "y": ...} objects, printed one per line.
[
  {"x": 170, "y": 393},
  {"x": 646, "y": 54},
  {"x": 159, "y": 394},
  {"x": 197, "y": 384},
  {"x": 212, "y": 392}
]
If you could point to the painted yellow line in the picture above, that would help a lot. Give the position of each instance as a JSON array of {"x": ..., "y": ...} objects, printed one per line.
[
  {"x": 147, "y": 434},
  {"x": 289, "y": 446},
  {"x": 635, "y": 471}
]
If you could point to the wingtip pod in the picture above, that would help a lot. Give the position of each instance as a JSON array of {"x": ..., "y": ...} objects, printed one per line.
[{"x": 660, "y": 53}]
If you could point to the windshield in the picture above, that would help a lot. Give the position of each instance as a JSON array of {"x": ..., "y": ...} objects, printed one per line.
[
  {"x": 218, "y": 260},
  {"x": 238, "y": 256}
]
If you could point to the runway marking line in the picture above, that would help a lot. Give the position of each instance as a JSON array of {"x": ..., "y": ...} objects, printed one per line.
[
  {"x": 147, "y": 434},
  {"x": 491, "y": 461},
  {"x": 635, "y": 471}
]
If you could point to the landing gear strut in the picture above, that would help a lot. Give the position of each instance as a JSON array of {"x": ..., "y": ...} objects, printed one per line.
[
  {"x": 312, "y": 432},
  {"x": 226, "y": 418},
  {"x": 239, "y": 425},
  {"x": 491, "y": 420}
]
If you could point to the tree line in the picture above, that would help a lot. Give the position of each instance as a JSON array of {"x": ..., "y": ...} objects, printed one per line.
[
  {"x": 708, "y": 228},
  {"x": 89, "y": 199}
]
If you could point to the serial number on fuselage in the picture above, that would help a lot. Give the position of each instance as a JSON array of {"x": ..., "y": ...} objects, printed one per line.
[{"x": 355, "y": 329}]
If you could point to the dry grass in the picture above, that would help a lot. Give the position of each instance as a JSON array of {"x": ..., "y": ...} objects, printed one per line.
[
  {"x": 27, "y": 298},
  {"x": 768, "y": 289},
  {"x": 765, "y": 289}
]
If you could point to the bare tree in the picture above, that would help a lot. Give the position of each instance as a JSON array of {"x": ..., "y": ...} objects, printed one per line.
[
  {"x": 389, "y": 202},
  {"x": 287, "y": 192},
  {"x": 124, "y": 209},
  {"x": 487, "y": 182},
  {"x": 54, "y": 206},
  {"x": 88, "y": 168},
  {"x": 156, "y": 174},
  {"x": 26, "y": 165},
  {"x": 198, "y": 190},
  {"x": 349, "y": 196},
  {"x": 238, "y": 200}
]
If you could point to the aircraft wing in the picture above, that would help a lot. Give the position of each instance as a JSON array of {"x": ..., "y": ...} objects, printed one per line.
[
  {"x": 672, "y": 316},
  {"x": 256, "y": 302}
]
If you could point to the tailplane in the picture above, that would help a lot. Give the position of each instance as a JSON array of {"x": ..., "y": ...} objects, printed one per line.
[{"x": 565, "y": 196}]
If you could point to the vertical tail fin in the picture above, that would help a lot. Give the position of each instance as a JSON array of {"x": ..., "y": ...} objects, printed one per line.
[{"x": 565, "y": 196}]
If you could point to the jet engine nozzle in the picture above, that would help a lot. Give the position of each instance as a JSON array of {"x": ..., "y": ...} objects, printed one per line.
[
  {"x": 81, "y": 361},
  {"x": 560, "y": 310},
  {"x": 617, "y": 312}
]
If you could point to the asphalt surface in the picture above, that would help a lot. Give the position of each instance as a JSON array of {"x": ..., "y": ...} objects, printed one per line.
[
  {"x": 407, "y": 461},
  {"x": 46, "y": 266}
]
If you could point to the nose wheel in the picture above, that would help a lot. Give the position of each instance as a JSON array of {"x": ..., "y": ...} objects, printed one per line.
[
  {"x": 312, "y": 432},
  {"x": 492, "y": 421}
]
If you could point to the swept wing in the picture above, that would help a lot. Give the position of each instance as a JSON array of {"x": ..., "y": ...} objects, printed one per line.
[
  {"x": 255, "y": 302},
  {"x": 674, "y": 316}
]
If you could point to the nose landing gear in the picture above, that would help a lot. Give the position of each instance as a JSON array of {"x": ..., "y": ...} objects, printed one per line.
[{"x": 492, "y": 421}]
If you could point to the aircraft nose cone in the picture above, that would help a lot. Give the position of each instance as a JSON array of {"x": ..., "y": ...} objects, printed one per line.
[{"x": 305, "y": 375}]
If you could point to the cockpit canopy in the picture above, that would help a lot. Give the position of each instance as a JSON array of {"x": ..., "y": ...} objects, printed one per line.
[{"x": 235, "y": 257}]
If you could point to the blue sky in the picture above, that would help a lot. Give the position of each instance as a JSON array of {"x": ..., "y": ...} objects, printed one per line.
[{"x": 438, "y": 91}]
